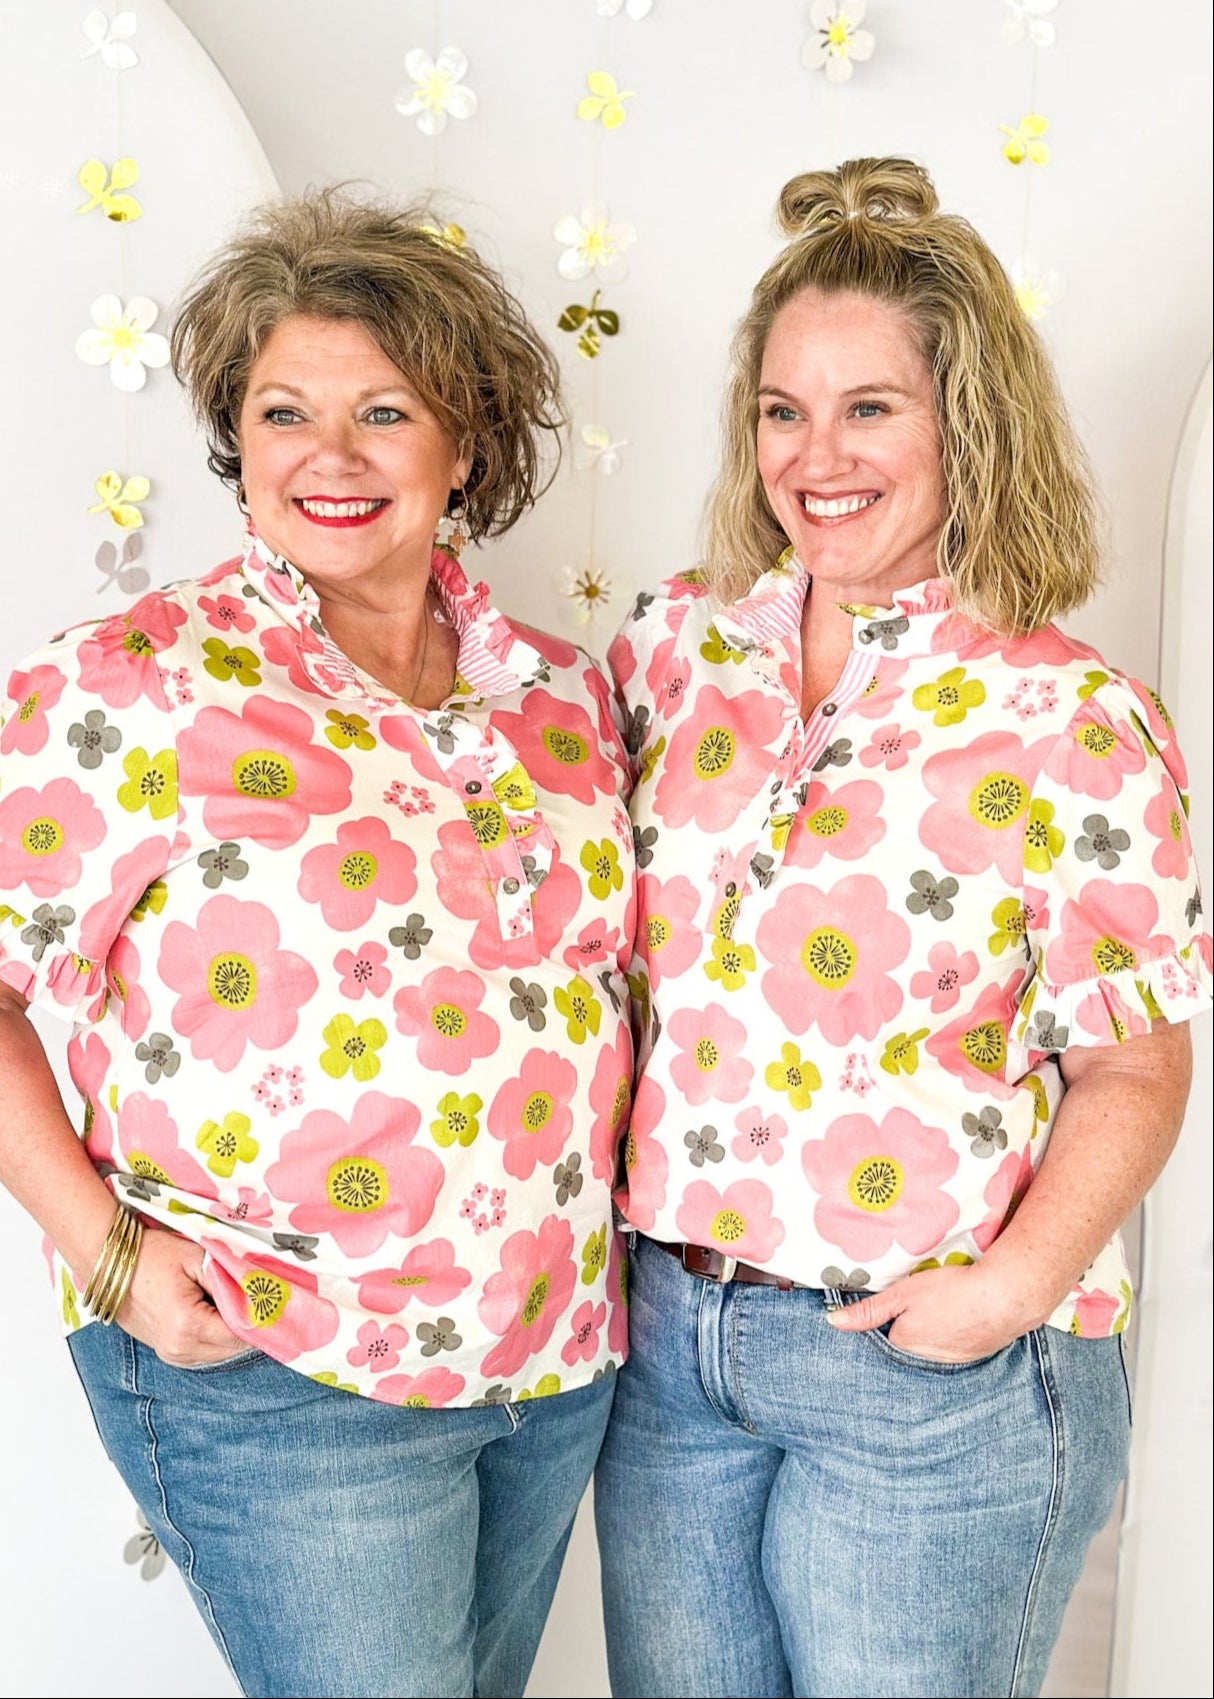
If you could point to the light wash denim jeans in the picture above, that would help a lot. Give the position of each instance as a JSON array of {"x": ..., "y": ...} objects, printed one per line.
[
  {"x": 336, "y": 1546},
  {"x": 783, "y": 1509}
]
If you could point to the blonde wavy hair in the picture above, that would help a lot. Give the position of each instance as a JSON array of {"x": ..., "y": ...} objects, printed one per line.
[
  {"x": 1021, "y": 537},
  {"x": 437, "y": 310}
]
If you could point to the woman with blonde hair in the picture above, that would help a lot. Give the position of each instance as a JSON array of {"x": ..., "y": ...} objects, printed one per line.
[
  {"x": 918, "y": 938},
  {"x": 327, "y": 859}
]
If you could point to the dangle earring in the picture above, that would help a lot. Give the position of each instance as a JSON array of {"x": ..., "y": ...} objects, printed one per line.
[{"x": 457, "y": 512}]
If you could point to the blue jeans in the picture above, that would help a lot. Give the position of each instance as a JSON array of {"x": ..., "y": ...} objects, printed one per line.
[
  {"x": 783, "y": 1509},
  {"x": 336, "y": 1546}
]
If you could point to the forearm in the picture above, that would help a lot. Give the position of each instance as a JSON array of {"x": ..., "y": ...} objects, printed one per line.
[
  {"x": 42, "y": 1161},
  {"x": 1114, "y": 1130}
]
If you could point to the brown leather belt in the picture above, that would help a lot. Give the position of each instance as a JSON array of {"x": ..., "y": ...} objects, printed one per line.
[{"x": 714, "y": 1266}]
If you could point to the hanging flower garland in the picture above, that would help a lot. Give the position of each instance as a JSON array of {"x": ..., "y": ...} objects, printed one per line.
[
  {"x": 1029, "y": 20},
  {"x": 1025, "y": 144},
  {"x": 104, "y": 186},
  {"x": 838, "y": 44},
  {"x": 438, "y": 90},
  {"x": 111, "y": 39},
  {"x": 121, "y": 497}
]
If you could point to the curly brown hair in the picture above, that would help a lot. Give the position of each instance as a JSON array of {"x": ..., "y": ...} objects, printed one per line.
[
  {"x": 1020, "y": 540},
  {"x": 435, "y": 308}
]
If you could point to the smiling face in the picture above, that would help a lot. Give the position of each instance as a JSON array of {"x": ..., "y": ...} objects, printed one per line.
[
  {"x": 849, "y": 446},
  {"x": 346, "y": 471}
]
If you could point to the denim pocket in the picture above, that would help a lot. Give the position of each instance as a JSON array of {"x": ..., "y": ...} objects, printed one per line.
[
  {"x": 927, "y": 1365},
  {"x": 222, "y": 1366}
]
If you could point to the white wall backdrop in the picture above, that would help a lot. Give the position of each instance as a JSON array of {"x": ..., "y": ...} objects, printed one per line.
[{"x": 721, "y": 112}]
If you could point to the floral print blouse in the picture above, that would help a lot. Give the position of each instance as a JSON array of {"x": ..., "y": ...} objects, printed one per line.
[
  {"x": 864, "y": 939},
  {"x": 348, "y": 977}
]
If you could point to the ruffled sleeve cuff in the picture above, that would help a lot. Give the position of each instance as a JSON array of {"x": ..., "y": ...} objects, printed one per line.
[{"x": 1111, "y": 1008}]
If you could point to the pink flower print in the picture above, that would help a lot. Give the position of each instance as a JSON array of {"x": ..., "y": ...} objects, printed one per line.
[
  {"x": 259, "y": 772},
  {"x": 33, "y": 692},
  {"x": 273, "y": 1073},
  {"x": 889, "y": 747},
  {"x": 118, "y": 661},
  {"x": 1105, "y": 1014},
  {"x": 88, "y": 1060},
  {"x": 429, "y": 1274},
  {"x": 237, "y": 986},
  {"x": 558, "y": 745},
  {"x": 984, "y": 790},
  {"x": 583, "y": 1342},
  {"x": 464, "y": 891},
  {"x": 1095, "y": 754},
  {"x": 531, "y": 1113},
  {"x": 366, "y": 865},
  {"x": 251, "y": 1205},
  {"x": 831, "y": 952},
  {"x": 974, "y": 1045},
  {"x": 528, "y": 1295},
  {"x": 759, "y": 1136},
  {"x": 617, "y": 1294},
  {"x": 880, "y": 1184},
  {"x": 610, "y": 1101},
  {"x": 737, "y": 1221},
  {"x": 132, "y": 874},
  {"x": 122, "y": 977},
  {"x": 283, "y": 647},
  {"x": 884, "y": 692},
  {"x": 295, "y": 1078},
  {"x": 668, "y": 939},
  {"x": 261, "y": 1091},
  {"x": 268, "y": 1302},
  {"x": 378, "y": 1348},
  {"x": 710, "y": 1065},
  {"x": 363, "y": 971},
  {"x": 151, "y": 1150},
  {"x": 1004, "y": 1190},
  {"x": 1165, "y": 820},
  {"x": 855, "y": 1076},
  {"x": 44, "y": 834},
  {"x": 945, "y": 976},
  {"x": 595, "y": 943},
  {"x": 358, "y": 1180},
  {"x": 227, "y": 613},
  {"x": 643, "y": 1191},
  {"x": 443, "y": 1013},
  {"x": 844, "y": 823},
  {"x": 1094, "y": 1314},
  {"x": 717, "y": 761},
  {"x": 432, "y": 1389},
  {"x": 1110, "y": 929}
]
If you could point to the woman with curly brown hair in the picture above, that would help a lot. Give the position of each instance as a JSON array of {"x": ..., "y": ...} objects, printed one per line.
[
  {"x": 313, "y": 850},
  {"x": 919, "y": 934}
]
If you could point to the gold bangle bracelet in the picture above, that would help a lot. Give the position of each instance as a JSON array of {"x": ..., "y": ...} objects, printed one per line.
[
  {"x": 120, "y": 1285},
  {"x": 115, "y": 1266},
  {"x": 105, "y": 1257}
]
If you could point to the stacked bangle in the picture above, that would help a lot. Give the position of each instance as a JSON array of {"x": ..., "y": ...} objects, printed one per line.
[{"x": 111, "y": 1277}]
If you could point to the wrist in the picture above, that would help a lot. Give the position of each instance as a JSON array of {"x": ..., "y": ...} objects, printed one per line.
[{"x": 1016, "y": 1292}]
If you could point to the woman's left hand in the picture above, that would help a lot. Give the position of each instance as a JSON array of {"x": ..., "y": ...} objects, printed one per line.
[{"x": 948, "y": 1315}]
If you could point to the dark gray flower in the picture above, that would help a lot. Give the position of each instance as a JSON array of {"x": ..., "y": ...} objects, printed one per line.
[
  {"x": 412, "y": 937},
  {"x": 144, "y": 1549},
  {"x": 836, "y": 754},
  {"x": 1101, "y": 842},
  {"x": 541, "y": 675},
  {"x": 300, "y": 1245},
  {"x": 930, "y": 895},
  {"x": 94, "y": 739},
  {"x": 636, "y": 720},
  {"x": 763, "y": 868},
  {"x": 496, "y": 1394},
  {"x": 1193, "y": 908},
  {"x": 527, "y": 1003},
  {"x": 441, "y": 733},
  {"x": 142, "y": 1187},
  {"x": 642, "y": 843},
  {"x": 984, "y": 1130},
  {"x": 567, "y": 1177},
  {"x": 46, "y": 927},
  {"x": 220, "y": 864},
  {"x": 439, "y": 1336},
  {"x": 641, "y": 606},
  {"x": 608, "y": 989},
  {"x": 604, "y": 1373},
  {"x": 1044, "y": 1034},
  {"x": 704, "y": 1146},
  {"x": 160, "y": 1055},
  {"x": 835, "y": 1279},
  {"x": 885, "y": 631}
]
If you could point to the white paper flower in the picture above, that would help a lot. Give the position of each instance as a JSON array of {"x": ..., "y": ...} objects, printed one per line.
[
  {"x": 1036, "y": 290},
  {"x": 438, "y": 91},
  {"x": 593, "y": 243},
  {"x": 635, "y": 9},
  {"x": 597, "y": 450},
  {"x": 588, "y": 595},
  {"x": 123, "y": 340},
  {"x": 111, "y": 38},
  {"x": 1030, "y": 19},
  {"x": 837, "y": 40}
]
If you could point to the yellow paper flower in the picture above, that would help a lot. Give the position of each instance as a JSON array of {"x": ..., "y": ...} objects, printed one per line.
[
  {"x": 452, "y": 236},
  {"x": 592, "y": 323},
  {"x": 605, "y": 103},
  {"x": 103, "y": 187},
  {"x": 120, "y": 498},
  {"x": 1024, "y": 142}
]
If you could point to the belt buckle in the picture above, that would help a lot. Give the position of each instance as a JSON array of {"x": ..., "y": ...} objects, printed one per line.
[{"x": 721, "y": 1269}]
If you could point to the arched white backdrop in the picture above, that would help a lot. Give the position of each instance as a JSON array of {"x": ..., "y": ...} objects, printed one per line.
[{"x": 719, "y": 110}]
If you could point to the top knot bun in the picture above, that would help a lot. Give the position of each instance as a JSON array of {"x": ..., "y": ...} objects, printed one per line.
[{"x": 873, "y": 189}]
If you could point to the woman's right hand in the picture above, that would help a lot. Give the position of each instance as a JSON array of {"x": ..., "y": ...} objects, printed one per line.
[{"x": 169, "y": 1308}]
